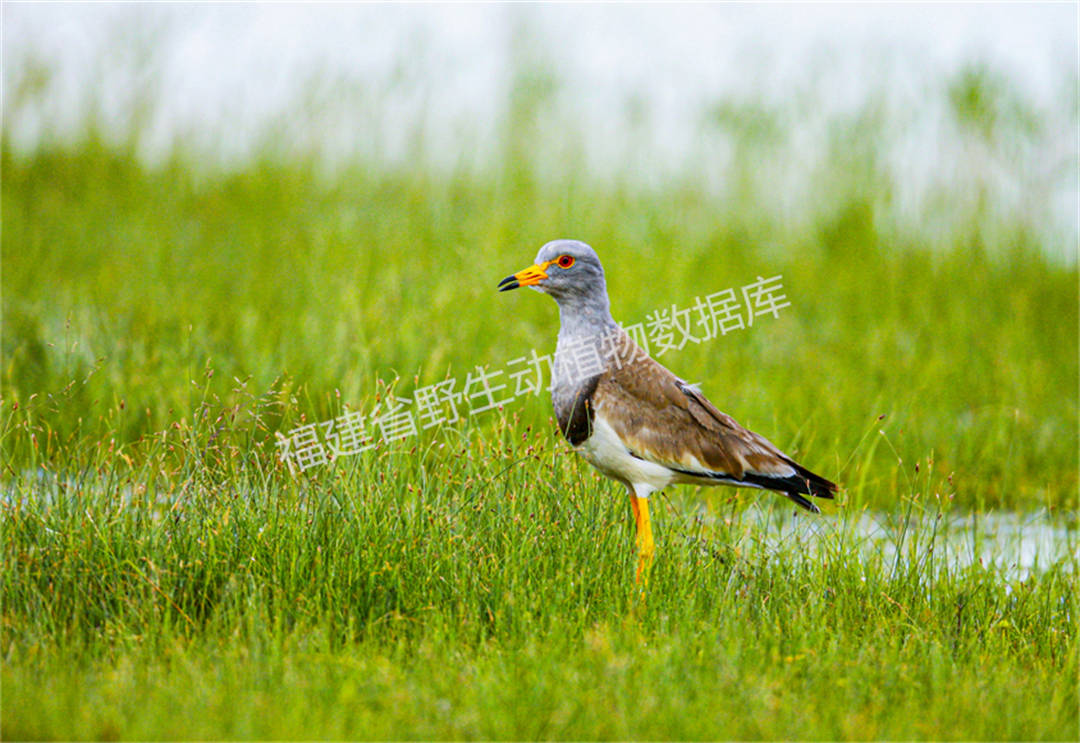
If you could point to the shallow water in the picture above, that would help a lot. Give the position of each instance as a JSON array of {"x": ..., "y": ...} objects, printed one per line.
[{"x": 1013, "y": 544}]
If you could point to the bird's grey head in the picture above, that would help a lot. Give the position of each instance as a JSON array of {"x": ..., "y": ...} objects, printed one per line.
[
  {"x": 571, "y": 273},
  {"x": 568, "y": 270}
]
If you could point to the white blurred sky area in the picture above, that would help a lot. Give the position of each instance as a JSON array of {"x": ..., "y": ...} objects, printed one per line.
[{"x": 634, "y": 81}]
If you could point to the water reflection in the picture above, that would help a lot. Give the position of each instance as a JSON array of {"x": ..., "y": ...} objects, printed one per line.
[{"x": 1015, "y": 545}]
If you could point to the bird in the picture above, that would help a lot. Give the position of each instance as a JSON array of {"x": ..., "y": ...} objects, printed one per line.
[{"x": 633, "y": 419}]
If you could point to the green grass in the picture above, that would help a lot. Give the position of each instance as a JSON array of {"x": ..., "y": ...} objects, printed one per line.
[
  {"x": 165, "y": 577},
  {"x": 445, "y": 593}
]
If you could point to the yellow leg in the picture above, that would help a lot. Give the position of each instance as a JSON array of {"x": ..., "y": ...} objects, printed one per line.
[{"x": 645, "y": 545}]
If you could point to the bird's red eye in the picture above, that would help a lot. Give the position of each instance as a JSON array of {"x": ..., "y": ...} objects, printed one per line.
[{"x": 565, "y": 261}]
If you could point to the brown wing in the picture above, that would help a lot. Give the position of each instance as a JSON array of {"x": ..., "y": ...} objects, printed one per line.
[{"x": 662, "y": 419}]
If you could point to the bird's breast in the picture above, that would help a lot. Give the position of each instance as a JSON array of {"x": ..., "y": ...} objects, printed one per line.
[
  {"x": 605, "y": 451},
  {"x": 574, "y": 410}
]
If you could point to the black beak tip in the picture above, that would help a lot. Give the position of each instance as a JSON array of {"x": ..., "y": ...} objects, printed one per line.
[{"x": 508, "y": 283}]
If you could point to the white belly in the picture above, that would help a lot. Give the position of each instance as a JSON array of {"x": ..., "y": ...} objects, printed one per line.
[{"x": 606, "y": 452}]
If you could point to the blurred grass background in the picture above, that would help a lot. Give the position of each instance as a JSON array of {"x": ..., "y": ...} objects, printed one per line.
[{"x": 958, "y": 321}]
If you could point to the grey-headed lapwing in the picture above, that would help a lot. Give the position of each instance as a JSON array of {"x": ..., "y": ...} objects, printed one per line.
[{"x": 630, "y": 417}]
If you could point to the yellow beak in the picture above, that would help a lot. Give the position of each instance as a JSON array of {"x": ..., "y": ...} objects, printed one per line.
[{"x": 526, "y": 277}]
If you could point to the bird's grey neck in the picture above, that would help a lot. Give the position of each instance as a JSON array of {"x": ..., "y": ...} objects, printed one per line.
[
  {"x": 579, "y": 352},
  {"x": 584, "y": 316}
]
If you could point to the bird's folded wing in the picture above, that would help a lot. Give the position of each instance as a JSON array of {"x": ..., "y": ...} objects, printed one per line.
[{"x": 662, "y": 419}]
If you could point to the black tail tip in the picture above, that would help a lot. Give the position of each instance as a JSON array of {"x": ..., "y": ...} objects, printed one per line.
[{"x": 803, "y": 502}]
